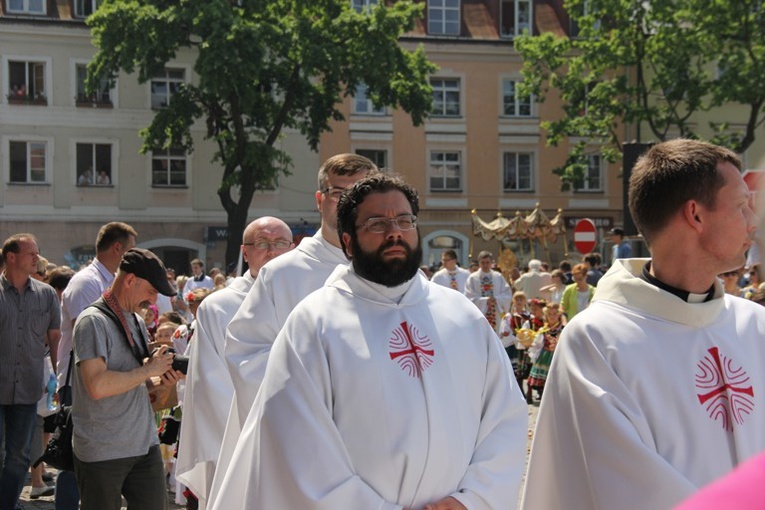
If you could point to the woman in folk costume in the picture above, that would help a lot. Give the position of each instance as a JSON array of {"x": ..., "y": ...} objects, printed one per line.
[{"x": 543, "y": 347}]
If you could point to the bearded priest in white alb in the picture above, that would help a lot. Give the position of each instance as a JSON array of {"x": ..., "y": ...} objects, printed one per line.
[
  {"x": 208, "y": 394},
  {"x": 656, "y": 389},
  {"x": 280, "y": 286},
  {"x": 489, "y": 290},
  {"x": 383, "y": 390}
]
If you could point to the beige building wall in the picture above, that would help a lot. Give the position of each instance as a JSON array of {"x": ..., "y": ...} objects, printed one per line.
[
  {"x": 481, "y": 134},
  {"x": 65, "y": 216}
]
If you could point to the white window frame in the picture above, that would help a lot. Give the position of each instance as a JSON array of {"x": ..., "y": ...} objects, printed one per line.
[
  {"x": 594, "y": 161},
  {"x": 515, "y": 155},
  {"x": 25, "y": 9},
  {"x": 440, "y": 9},
  {"x": 443, "y": 87},
  {"x": 517, "y": 27},
  {"x": 76, "y": 4},
  {"x": 28, "y": 139},
  {"x": 440, "y": 158},
  {"x": 362, "y": 105},
  {"x": 27, "y": 59},
  {"x": 384, "y": 152},
  {"x": 516, "y": 102},
  {"x": 168, "y": 81},
  {"x": 170, "y": 158},
  {"x": 114, "y": 158},
  {"x": 363, "y": 5},
  {"x": 75, "y": 64}
]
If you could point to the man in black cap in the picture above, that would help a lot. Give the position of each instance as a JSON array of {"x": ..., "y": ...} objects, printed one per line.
[
  {"x": 620, "y": 249},
  {"x": 115, "y": 438}
]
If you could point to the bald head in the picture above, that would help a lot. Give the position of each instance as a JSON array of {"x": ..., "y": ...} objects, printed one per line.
[{"x": 264, "y": 239}]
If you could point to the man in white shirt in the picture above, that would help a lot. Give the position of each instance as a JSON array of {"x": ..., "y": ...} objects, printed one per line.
[
  {"x": 280, "y": 286},
  {"x": 208, "y": 394},
  {"x": 488, "y": 290},
  {"x": 85, "y": 287},
  {"x": 656, "y": 388},
  {"x": 451, "y": 275},
  {"x": 198, "y": 280},
  {"x": 383, "y": 390}
]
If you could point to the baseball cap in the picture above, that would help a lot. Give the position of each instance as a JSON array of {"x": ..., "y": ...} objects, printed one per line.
[
  {"x": 616, "y": 231},
  {"x": 144, "y": 264}
]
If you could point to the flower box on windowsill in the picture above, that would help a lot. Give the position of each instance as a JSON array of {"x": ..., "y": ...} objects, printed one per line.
[{"x": 16, "y": 99}]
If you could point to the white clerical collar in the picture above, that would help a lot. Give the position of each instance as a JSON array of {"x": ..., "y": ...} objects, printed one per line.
[
  {"x": 336, "y": 252},
  {"x": 393, "y": 294}
]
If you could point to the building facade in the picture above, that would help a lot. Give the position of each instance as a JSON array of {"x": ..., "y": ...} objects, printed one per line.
[
  {"x": 482, "y": 148},
  {"x": 71, "y": 162}
]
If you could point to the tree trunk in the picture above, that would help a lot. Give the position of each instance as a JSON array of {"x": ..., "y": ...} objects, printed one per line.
[
  {"x": 237, "y": 221},
  {"x": 237, "y": 214}
]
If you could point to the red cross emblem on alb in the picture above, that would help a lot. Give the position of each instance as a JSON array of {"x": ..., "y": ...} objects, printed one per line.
[
  {"x": 411, "y": 350},
  {"x": 724, "y": 389}
]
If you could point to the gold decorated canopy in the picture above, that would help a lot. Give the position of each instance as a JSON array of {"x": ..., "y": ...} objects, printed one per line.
[{"x": 536, "y": 226}]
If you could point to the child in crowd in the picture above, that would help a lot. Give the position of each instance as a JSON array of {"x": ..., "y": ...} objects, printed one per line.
[
  {"x": 150, "y": 315},
  {"x": 510, "y": 324},
  {"x": 543, "y": 347}
]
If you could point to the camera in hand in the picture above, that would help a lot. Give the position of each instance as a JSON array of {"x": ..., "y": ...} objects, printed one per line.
[{"x": 181, "y": 364}]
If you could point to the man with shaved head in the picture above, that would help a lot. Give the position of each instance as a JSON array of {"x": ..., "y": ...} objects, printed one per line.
[{"x": 209, "y": 390}]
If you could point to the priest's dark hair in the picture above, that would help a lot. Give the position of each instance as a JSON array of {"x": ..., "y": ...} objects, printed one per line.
[
  {"x": 348, "y": 205},
  {"x": 670, "y": 174}
]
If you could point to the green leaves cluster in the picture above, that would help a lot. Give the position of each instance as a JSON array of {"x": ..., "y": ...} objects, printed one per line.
[
  {"x": 263, "y": 66},
  {"x": 654, "y": 65}
]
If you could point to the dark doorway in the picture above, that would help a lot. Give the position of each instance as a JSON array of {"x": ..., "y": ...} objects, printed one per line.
[{"x": 176, "y": 258}]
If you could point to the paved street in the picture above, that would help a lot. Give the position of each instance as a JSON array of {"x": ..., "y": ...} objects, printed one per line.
[{"x": 46, "y": 503}]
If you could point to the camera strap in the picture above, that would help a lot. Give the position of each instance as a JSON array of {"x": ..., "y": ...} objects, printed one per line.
[{"x": 110, "y": 307}]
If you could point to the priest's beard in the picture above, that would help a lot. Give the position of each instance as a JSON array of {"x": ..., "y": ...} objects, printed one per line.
[{"x": 371, "y": 265}]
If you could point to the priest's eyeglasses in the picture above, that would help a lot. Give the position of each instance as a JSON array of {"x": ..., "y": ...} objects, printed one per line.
[
  {"x": 265, "y": 245},
  {"x": 380, "y": 225}
]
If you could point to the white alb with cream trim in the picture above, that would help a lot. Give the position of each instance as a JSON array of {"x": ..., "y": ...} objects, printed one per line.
[
  {"x": 377, "y": 400},
  {"x": 208, "y": 393},
  {"x": 648, "y": 399}
]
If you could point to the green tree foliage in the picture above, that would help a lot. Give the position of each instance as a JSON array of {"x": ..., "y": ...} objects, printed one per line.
[
  {"x": 653, "y": 65},
  {"x": 263, "y": 66}
]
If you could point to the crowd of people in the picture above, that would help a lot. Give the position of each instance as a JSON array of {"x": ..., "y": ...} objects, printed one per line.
[{"x": 337, "y": 374}]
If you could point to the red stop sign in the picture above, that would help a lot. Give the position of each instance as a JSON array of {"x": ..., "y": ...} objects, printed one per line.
[{"x": 584, "y": 235}]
